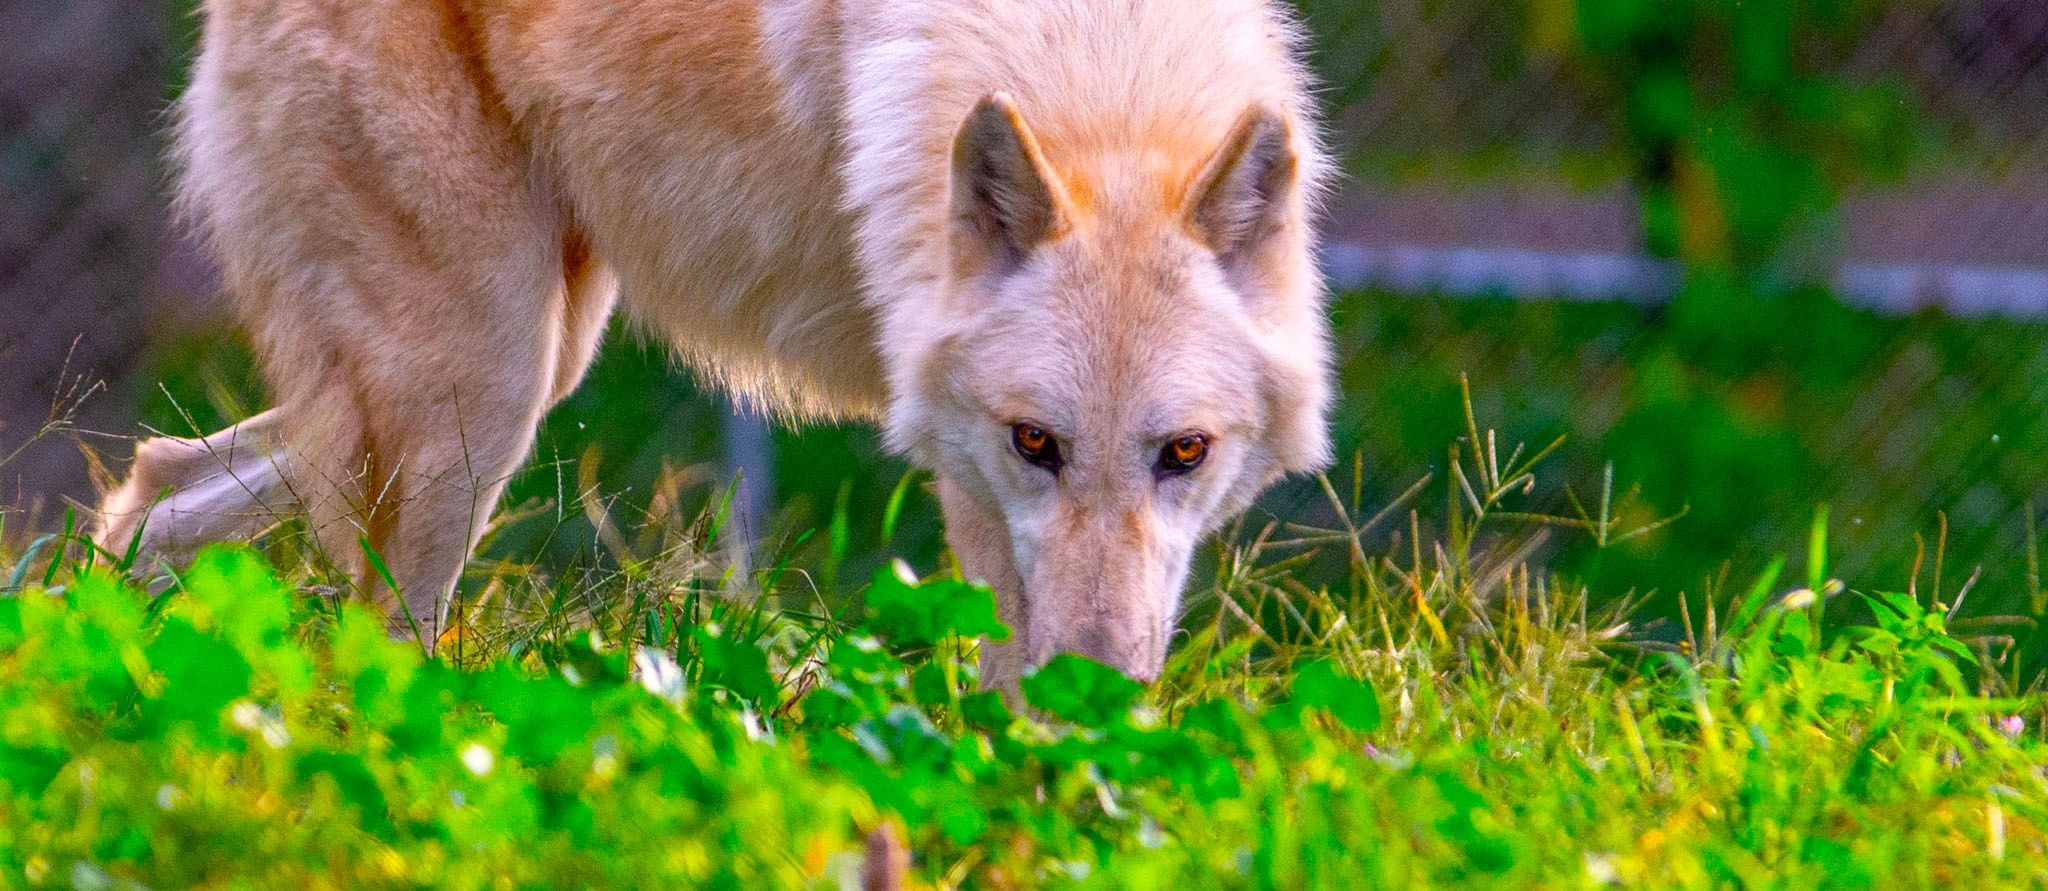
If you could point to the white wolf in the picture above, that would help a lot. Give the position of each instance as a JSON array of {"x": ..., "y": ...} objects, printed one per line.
[{"x": 1060, "y": 249}]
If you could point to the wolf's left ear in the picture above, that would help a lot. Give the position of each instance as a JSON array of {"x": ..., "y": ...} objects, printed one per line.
[
  {"x": 1241, "y": 199},
  {"x": 1006, "y": 201}
]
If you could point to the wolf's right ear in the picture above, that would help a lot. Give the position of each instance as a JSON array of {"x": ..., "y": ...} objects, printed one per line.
[{"x": 1005, "y": 200}]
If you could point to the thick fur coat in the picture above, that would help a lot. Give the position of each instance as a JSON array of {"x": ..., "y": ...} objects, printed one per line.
[{"x": 1060, "y": 249}]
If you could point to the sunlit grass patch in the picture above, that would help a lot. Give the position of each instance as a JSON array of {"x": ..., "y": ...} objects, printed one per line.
[{"x": 1450, "y": 714}]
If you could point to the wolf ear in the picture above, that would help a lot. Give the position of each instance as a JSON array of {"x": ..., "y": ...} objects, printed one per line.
[
  {"x": 1006, "y": 200},
  {"x": 1241, "y": 198}
]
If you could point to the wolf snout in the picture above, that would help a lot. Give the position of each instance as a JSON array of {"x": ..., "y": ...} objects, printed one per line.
[{"x": 1137, "y": 652}]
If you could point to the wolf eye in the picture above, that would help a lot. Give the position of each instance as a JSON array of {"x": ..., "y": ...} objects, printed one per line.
[
  {"x": 1183, "y": 454},
  {"x": 1036, "y": 445}
]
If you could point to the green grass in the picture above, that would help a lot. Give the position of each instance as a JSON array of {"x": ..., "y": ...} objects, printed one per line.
[{"x": 1444, "y": 713}]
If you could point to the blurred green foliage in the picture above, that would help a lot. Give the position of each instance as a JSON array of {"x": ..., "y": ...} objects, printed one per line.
[
  {"x": 1731, "y": 118},
  {"x": 245, "y": 730},
  {"x": 1738, "y": 132}
]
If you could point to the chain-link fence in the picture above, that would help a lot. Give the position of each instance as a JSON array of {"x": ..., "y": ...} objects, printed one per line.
[
  {"x": 1451, "y": 84},
  {"x": 87, "y": 256},
  {"x": 1484, "y": 161}
]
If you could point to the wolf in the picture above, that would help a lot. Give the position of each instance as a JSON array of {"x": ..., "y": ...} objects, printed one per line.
[{"x": 1062, "y": 251}]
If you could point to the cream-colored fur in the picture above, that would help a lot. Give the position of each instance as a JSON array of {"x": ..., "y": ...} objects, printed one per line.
[{"x": 950, "y": 216}]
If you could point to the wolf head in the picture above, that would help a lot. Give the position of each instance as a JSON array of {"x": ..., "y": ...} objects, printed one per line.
[{"x": 1130, "y": 352}]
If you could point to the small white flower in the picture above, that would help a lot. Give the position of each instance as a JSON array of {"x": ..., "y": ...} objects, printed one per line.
[
  {"x": 167, "y": 796},
  {"x": 604, "y": 758},
  {"x": 757, "y": 730},
  {"x": 87, "y": 877},
  {"x": 478, "y": 759},
  {"x": 659, "y": 673},
  {"x": 1150, "y": 833},
  {"x": 267, "y": 722},
  {"x": 1600, "y": 869}
]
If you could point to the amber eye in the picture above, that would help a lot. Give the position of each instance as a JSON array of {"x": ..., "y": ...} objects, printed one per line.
[
  {"x": 1036, "y": 445},
  {"x": 1183, "y": 454}
]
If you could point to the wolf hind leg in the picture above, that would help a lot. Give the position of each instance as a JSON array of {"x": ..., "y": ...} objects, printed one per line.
[{"x": 183, "y": 493}]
